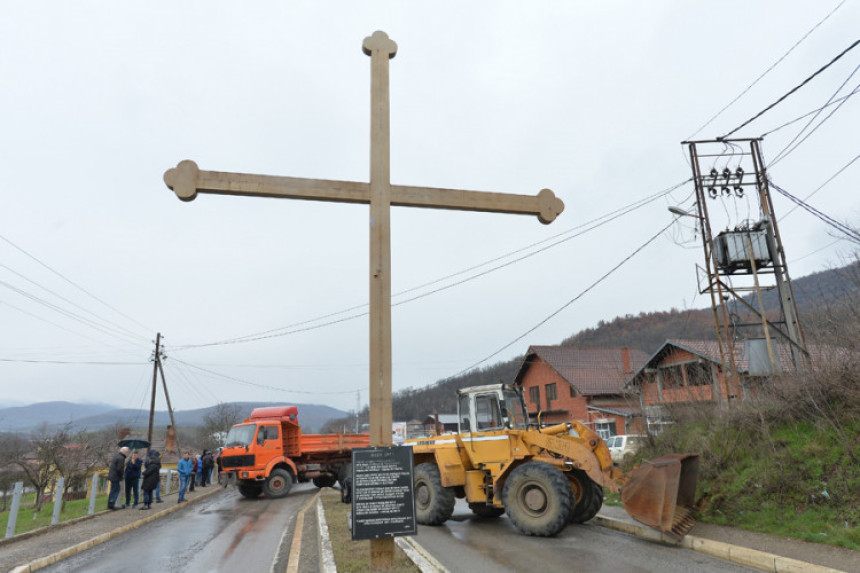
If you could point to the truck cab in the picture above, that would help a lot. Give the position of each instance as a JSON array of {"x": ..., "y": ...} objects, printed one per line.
[{"x": 491, "y": 407}]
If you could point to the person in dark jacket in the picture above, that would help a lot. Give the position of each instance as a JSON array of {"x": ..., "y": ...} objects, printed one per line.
[
  {"x": 132, "y": 479},
  {"x": 208, "y": 463},
  {"x": 115, "y": 474},
  {"x": 151, "y": 477}
]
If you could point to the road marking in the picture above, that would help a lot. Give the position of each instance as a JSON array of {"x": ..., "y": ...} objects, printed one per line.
[{"x": 296, "y": 545}]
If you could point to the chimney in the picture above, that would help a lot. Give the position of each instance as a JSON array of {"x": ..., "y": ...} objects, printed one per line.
[
  {"x": 170, "y": 440},
  {"x": 625, "y": 361}
]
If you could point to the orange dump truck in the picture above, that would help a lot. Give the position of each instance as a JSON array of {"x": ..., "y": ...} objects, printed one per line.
[{"x": 267, "y": 453}]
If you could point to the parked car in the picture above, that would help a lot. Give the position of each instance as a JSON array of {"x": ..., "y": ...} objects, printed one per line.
[{"x": 623, "y": 447}]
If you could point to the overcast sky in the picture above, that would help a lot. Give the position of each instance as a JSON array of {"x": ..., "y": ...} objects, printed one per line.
[{"x": 590, "y": 99}]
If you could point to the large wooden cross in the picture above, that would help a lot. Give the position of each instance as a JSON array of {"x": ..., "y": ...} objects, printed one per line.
[{"x": 186, "y": 180}]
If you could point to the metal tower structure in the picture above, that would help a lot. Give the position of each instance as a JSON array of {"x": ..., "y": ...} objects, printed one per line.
[{"x": 746, "y": 257}]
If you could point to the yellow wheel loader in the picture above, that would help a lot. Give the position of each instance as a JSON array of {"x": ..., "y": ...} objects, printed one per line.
[{"x": 544, "y": 478}]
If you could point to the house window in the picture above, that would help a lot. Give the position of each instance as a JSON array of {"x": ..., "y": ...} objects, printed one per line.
[
  {"x": 605, "y": 429},
  {"x": 698, "y": 374},
  {"x": 551, "y": 394},
  {"x": 534, "y": 396},
  {"x": 672, "y": 377},
  {"x": 572, "y": 391}
]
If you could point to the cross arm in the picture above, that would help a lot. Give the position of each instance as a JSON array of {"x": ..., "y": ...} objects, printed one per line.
[{"x": 186, "y": 180}]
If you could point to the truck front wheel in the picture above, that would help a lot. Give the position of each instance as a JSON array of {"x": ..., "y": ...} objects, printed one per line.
[
  {"x": 250, "y": 490},
  {"x": 538, "y": 499},
  {"x": 278, "y": 484},
  {"x": 434, "y": 503}
]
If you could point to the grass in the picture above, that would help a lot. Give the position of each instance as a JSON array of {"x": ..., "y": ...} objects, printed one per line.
[
  {"x": 29, "y": 518},
  {"x": 353, "y": 556}
]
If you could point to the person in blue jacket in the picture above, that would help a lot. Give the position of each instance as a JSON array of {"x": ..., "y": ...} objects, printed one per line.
[
  {"x": 185, "y": 467},
  {"x": 132, "y": 479}
]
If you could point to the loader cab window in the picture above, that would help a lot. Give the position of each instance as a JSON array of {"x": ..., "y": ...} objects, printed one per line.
[
  {"x": 487, "y": 412},
  {"x": 514, "y": 413},
  {"x": 464, "y": 416}
]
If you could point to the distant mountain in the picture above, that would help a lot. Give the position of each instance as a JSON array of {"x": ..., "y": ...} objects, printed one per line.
[
  {"x": 55, "y": 413},
  {"x": 99, "y": 416}
]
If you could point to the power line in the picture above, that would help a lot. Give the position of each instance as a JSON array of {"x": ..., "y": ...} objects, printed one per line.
[
  {"x": 820, "y": 187},
  {"x": 767, "y": 71},
  {"x": 785, "y": 150},
  {"x": 298, "y": 327},
  {"x": 74, "y": 284},
  {"x": 257, "y": 385},
  {"x": 568, "y": 303},
  {"x": 803, "y": 83},
  {"x": 815, "y": 111},
  {"x": 852, "y": 234}
]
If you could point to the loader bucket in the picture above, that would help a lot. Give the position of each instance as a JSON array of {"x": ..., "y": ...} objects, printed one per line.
[{"x": 660, "y": 493}]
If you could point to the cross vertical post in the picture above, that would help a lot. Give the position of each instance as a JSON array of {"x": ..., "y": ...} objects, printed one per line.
[
  {"x": 380, "y": 49},
  {"x": 187, "y": 180}
]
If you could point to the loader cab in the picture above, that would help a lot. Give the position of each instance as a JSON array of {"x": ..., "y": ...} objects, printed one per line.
[{"x": 491, "y": 407}]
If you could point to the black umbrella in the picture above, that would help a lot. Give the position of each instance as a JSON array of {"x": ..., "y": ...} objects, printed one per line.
[{"x": 134, "y": 443}]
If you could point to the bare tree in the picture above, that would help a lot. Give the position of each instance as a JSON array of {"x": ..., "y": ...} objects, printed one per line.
[
  {"x": 36, "y": 456},
  {"x": 216, "y": 424}
]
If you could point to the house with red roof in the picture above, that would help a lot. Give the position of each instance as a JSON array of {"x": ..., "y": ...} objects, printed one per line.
[
  {"x": 684, "y": 372},
  {"x": 586, "y": 383}
]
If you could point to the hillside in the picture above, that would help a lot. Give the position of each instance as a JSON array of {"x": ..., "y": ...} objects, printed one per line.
[
  {"x": 816, "y": 294},
  {"x": 100, "y": 416}
]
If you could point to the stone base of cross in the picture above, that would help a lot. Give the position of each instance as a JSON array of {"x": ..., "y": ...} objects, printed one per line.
[{"x": 187, "y": 180}]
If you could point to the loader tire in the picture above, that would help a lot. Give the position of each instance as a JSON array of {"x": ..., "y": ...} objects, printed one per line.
[
  {"x": 538, "y": 499},
  {"x": 434, "y": 503},
  {"x": 486, "y": 511},
  {"x": 587, "y": 497},
  {"x": 278, "y": 484},
  {"x": 324, "y": 481},
  {"x": 250, "y": 490}
]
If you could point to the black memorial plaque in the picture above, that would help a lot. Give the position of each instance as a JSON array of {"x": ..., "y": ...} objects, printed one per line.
[{"x": 383, "y": 500}]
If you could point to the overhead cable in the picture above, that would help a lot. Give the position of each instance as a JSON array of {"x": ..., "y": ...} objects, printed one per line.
[
  {"x": 74, "y": 284},
  {"x": 852, "y": 234},
  {"x": 568, "y": 303},
  {"x": 767, "y": 71},
  {"x": 800, "y": 85},
  {"x": 300, "y": 326}
]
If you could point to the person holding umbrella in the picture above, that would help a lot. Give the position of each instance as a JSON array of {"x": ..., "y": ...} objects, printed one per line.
[{"x": 132, "y": 479}]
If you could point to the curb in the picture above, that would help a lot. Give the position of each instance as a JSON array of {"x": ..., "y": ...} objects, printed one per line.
[
  {"x": 43, "y": 562},
  {"x": 725, "y": 551}
]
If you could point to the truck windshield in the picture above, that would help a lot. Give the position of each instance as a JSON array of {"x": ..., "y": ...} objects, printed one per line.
[
  {"x": 240, "y": 435},
  {"x": 515, "y": 409}
]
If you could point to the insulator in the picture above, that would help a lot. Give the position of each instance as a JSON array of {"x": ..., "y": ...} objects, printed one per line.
[
  {"x": 739, "y": 191},
  {"x": 712, "y": 191},
  {"x": 727, "y": 174},
  {"x": 727, "y": 191},
  {"x": 739, "y": 172},
  {"x": 714, "y": 172}
]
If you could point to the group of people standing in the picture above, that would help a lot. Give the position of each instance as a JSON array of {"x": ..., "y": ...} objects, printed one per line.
[
  {"x": 192, "y": 471},
  {"x": 130, "y": 471}
]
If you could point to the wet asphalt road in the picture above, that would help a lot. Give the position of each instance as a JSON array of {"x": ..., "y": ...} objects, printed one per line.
[
  {"x": 466, "y": 543},
  {"x": 225, "y": 533}
]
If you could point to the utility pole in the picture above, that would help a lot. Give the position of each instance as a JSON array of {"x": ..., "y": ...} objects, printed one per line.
[
  {"x": 732, "y": 171},
  {"x": 154, "y": 382},
  {"x": 156, "y": 369}
]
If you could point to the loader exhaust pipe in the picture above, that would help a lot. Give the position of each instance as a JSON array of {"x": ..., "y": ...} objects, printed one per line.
[{"x": 661, "y": 493}]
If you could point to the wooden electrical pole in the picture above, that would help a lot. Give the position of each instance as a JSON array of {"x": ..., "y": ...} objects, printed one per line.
[{"x": 154, "y": 382}]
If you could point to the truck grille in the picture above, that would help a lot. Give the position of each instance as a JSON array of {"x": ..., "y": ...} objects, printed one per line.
[{"x": 228, "y": 462}]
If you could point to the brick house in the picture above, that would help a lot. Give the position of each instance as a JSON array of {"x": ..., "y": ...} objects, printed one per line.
[
  {"x": 690, "y": 371},
  {"x": 560, "y": 382}
]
